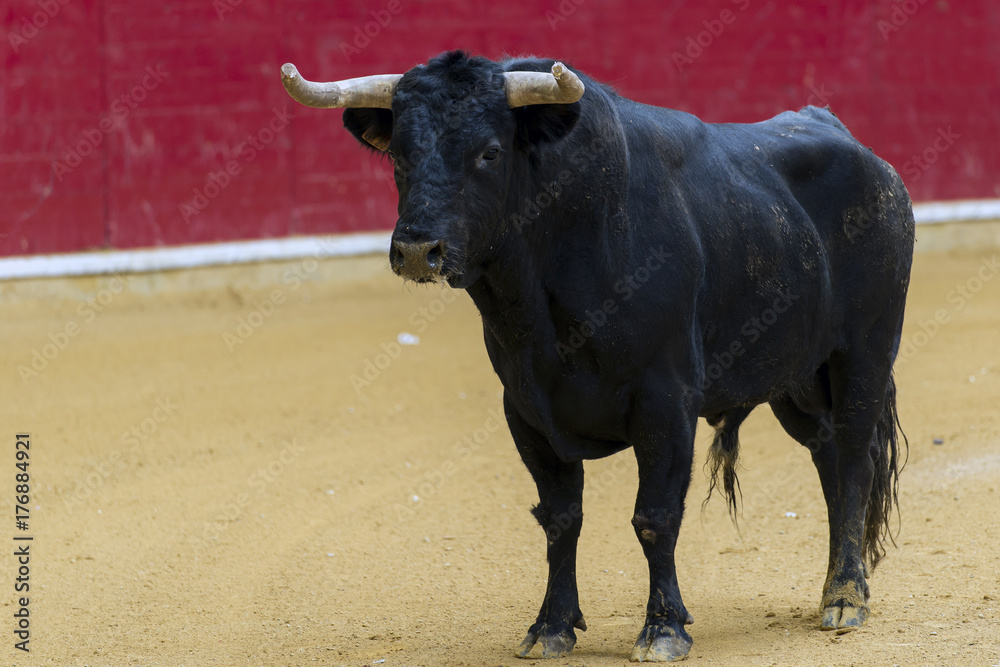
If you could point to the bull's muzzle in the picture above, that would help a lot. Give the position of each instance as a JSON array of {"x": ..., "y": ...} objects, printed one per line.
[{"x": 421, "y": 260}]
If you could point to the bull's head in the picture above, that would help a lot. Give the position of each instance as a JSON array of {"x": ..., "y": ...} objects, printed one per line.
[{"x": 459, "y": 131}]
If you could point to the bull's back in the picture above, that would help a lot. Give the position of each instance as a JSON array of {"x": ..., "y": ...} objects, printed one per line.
[{"x": 806, "y": 237}]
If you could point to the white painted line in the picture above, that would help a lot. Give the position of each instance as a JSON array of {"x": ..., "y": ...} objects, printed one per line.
[
  {"x": 192, "y": 256},
  {"x": 955, "y": 211}
]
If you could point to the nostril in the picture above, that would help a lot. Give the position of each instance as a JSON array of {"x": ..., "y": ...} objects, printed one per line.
[
  {"x": 422, "y": 259},
  {"x": 435, "y": 255}
]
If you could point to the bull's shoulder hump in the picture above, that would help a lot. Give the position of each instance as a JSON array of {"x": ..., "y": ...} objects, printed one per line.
[
  {"x": 810, "y": 126},
  {"x": 808, "y": 116},
  {"x": 792, "y": 141}
]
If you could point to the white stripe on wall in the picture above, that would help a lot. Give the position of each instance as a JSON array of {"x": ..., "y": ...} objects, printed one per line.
[
  {"x": 955, "y": 211},
  {"x": 268, "y": 250},
  {"x": 192, "y": 256}
]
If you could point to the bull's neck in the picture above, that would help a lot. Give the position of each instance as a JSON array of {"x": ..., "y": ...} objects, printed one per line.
[
  {"x": 570, "y": 231},
  {"x": 566, "y": 224}
]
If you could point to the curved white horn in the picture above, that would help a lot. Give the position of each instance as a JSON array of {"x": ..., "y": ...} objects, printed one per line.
[
  {"x": 367, "y": 91},
  {"x": 562, "y": 86}
]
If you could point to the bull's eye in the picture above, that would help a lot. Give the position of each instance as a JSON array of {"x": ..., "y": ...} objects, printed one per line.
[{"x": 491, "y": 154}]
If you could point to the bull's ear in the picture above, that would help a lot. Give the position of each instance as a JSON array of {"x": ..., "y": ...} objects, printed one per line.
[
  {"x": 537, "y": 123},
  {"x": 372, "y": 127}
]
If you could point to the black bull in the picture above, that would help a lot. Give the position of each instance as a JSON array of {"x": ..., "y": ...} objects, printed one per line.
[{"x": 635, "y": 269}]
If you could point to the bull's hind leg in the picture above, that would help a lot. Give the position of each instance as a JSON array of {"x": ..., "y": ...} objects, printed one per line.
[
  {"x": 664, "y": 450},
  {"x": 560, "y": 513},
  {"x": 815, "y": 432},
  {"x": 847, "y": 453}
]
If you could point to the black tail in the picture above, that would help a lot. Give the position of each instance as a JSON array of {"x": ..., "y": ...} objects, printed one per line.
[
  {"x": 885, "y": 484},
  {"x": 724, "y": 457}
]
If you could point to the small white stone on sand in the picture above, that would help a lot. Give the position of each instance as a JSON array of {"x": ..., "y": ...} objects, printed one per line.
[{"x": 406, "y": 338}]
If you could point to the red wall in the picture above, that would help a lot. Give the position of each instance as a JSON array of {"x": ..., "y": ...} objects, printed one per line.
[{"x": 162, "y": 95}]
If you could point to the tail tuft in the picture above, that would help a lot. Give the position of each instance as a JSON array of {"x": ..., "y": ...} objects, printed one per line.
[
  {"x": 885, "y": 484},
  {"x": 724, "y": 459}
]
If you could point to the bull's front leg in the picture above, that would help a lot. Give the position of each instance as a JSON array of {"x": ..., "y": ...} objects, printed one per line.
[
  {"x": 560, "y": 513},
  {"x": 664, "y": 450}
]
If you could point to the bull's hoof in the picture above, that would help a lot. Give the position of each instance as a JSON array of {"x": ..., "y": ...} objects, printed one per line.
[
  {"x": 844, "y": 617},
  {"x": 557, "y": 639},
  {"x": 845, "y": 607},
  {"x": 661, "y": 643}
]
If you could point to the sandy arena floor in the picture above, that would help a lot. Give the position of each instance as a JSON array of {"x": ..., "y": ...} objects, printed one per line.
[{"x": 244, "y": 467}]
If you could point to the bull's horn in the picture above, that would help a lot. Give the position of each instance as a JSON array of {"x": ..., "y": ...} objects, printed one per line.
[
  {"x": 560, "y": 87},
  {"x": 373, "y": 92}
]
